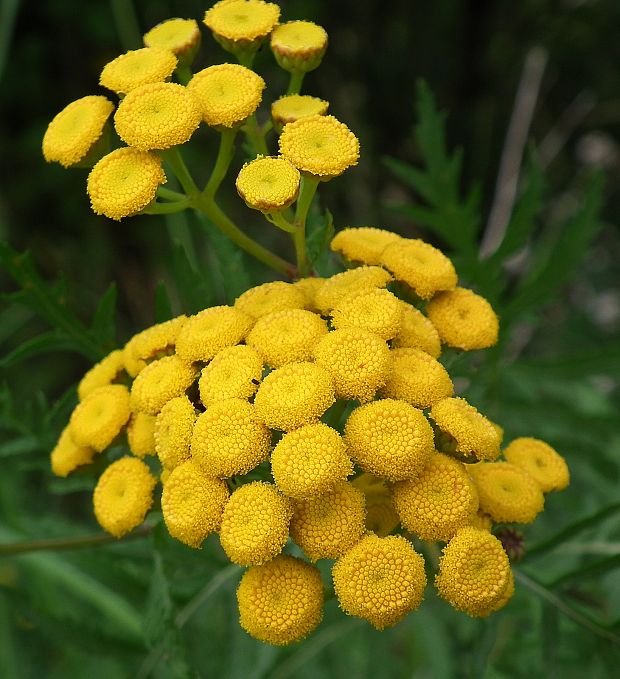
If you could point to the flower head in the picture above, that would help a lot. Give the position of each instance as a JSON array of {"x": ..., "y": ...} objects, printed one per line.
[
  {"x": 298, "y": 45},
  {"x": 174, "y": 426},
  {"x": 234, "y": 372},
  {"x": 101, "y": 374},
  {"x": 154, "y": 342},
  {"x": 159, "y": 382},
  {"x": 100, "y": 417},
  {"x": 376, "y": 310},
  {"x": 309, "y": 287},
  {"x": 540, "y": 461},
  {"x": 75, "y": 130},
  {"x": 350, "y": 282},
  {"x": 141, "y": 434},
  {"x": 291, "y": 107},
  {"x": 242, "y": 20},
  {"x": 363, "y": 244},
  {"x": 380, "y": 580},
  {"x": 417, "y": 332},
  {"x": 138, "y": 67},
  {"x": 67, "y": 456},
  {"x": 381, "y": 516},
  {"x": 268, "y": 184},
  {"x": 180, "y": 36},
  {"x": 270, "y": 297}
]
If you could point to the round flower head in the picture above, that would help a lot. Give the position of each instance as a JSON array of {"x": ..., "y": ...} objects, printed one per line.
[
  {"x": 124, "y": 182},
  {"x": 141, "y": 434},
  {"x": 100, "y": 417},
  {"x": 416, "y": 377},
  {"x": 507, "y": 493},
  {"x": 328, "y": 525},
  {"x": 350, "y": 282},
  {"x": 234, "y": 372},
  {"x": 268, "y": 184},
  {"x": 174, "y": 426},
  {"x": 474, "y": 571},
  {"x": 417, "y": 332},
  {"x": 363, "y": 244},
  {"x": 376, "y": 310},
  {"x": 210, "y": 331},
  {"x": 154, "y": 342},
  {"x": 540, "y": 461},
  {"x": 229, "y": 439},
  {"x": 309, "y": 287},
  {"x": 227, "y": 93},
  {"x": 296, "y": 394},
  {"x": 380, "y": 580},
  {"x": 192, "y": 503},
  {"x": 437, "y": 503},
  {"x": 67, "y": 456},
  {"x": 75, "y": 130},
  {"x": 292, "y": 107},
  {"x": 281, "y": 601},
  {"x": 357, "y": 360},
  {"x": 422, "y": 267},
  {"x": 319, "y": 145},
  {"x": 101, "y": 374},
  {"x": 298, "y": 45},
  {"x": 138, "y": 67},
  {"x": 180, "y": 36},
  {"x": 381, "y": 516},
  {"x": 157, "y": 116},
  {"x": 287, "y": 336},
  {"x": 463, "y": 319},
  {"x": 270, "y": 297},
  {"x": 123, "y": 495},
  {"x": 310, "y": 461},
  {"x": 505, "y": 598},
  {"x": 242, "y": 20},
  {"x": 255, "y": 524},
  {"x": 159, "y": 382},
  {"x": 390, "y": 439}
]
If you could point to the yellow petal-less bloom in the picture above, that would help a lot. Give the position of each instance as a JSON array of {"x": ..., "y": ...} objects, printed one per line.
[
  {"x": 390, "y": 439},
  {"x": 319, "y": 145},
  {"x": 363, "y": 244},
  {"x": 422, "y": 267},
  {"x": 154, "y": 342},
  {"x": 74, "y": 131},
  {"x": 124, "y": 182},
  {"x": 180, "y": 36},
  {"x": 376, "y": 310},
  {"x": 174, "y": 426},
  {"x": 416, "y": 377},
  {"x": 357, "y": 360},
  {"x": 298, "y": 45},
  {"x": 192, "y": 503},
  {"x": 227, "y": 93},
  {"x": 138, "y": 67},
  {"x": 141, "y": 434},
  {"x": 101, "y": 374},
  {"x": 507, "y": 493},
  {"x": 159, "y": 382},
  {"x": 229, "y": 439},
  {"x": 281, "y": 601},
  {"x": 210, "y": 331},
  {"x": 123, "y": 495},
  {"x": 291, "y": 107},
  {"x": 268, "y": 184},
  {"x": 438, "y": 502},
  {"x": 350, "y": 282},
  {"x": 474, "y": 571},
  {"x": 463, "y": 319},
  {"x": 293, "y": 395},
  {"x": 381, "y": 516},
  {"x": 481, "y": 521},
  {"x": 309, "y": 287},
  {"x": 540, "y": 461},
  {"x": 380, "y": 580},
  {"x": 327, "y": 526},
  {"x": 67, "y": 456},
  {"x": 472, "y": 433},
  {"x": 310, "y": 461},
  {"x": 234, "y": 372},
  {"x": 255, "y": 524},
  {"x": 270, "y": 297},
  {"x": 157, "y": 116},
  {"x": 100, "y": 417},
  {"x": 287, "y": 336},
  {"x": 242, "y": 20},
  {"x": 417, "y": 332}
]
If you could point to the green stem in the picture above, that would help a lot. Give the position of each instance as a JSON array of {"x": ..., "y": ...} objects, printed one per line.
[
  {"x": 256, "y": 136},
  {"x": 167, "y": 208},
  {"x": 175, "y": 160},
  {"x": 295, "y": 82},
  {"x": 184, "y": 73},
  {"x": 222, "y": 163},
  {"x": 309, "y": 185},
  {"x": 278, "y": 219},
  {"x": 168, "y": 194}
]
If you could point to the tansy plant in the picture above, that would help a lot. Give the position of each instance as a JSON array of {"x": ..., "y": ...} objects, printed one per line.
[{"x": 313, "y": 420}]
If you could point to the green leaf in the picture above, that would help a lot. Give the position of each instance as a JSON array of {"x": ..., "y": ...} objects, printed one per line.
[
  {"x": 590, "y": 570},
  {"x": 319, "y": 234},
  {"x": 195, "y": 290},
  {"x": 104, "y": 320},
  {"x": 45, "y": 343},
  {"x": 158, "y": 616},
  {"x": 163, "y": 305}
]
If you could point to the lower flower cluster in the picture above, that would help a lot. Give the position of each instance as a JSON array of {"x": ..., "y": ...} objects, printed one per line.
[{"x": 314, "y": 420}]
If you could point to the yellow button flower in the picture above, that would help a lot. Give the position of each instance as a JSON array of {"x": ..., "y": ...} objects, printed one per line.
[
  {"x": 310, "y": 461},
  {"x": 463, "y": 319},
  {"x": 180, "y": 36},
  {"x": 75, "y": 130},
  {"x": 192, "y": 504},
  {"x": 174, "y": 426},
  {"x": 380, "y": 580},
  {"x": 101, "y": 374},
  {"x": 229, "y": 439},
  {"x": 376, "y": 310},
  {"x": 309, "y": 287},
  {"x": 292, "y": 107},
  {"x": 154, "y": 342},
  {"x": 138, "y": 67},
  {"x": 242, "y": 20},
  {"x": 269, "y": 298},
  {"x": 67, "y": 456},
  {"x": 320, "y": 145},
  {"x": 390, "y": 439},
  {"x": 268, "y": 184},
  {"x": 363, "y": 244},
  {"x": 381, "y": 516},
  {"x": 141, "y": 434},
  {"x": 234, "y": 372},
  {"x": 227, "y": 93},
  {"x": 157, "y": 116},
  {"x": 281, "y": 601},
  {"x": 540, "y": 461},
  {"x": 350, "y": 282},
  {"x": 124, "y": 182},
  {"x": 255, "y": 524},
  {"x": 123, "y": 496},
  {"x": 159, "y": 382},
  {"x": 417, "y": 332},
  {"x": 100, "y": 417},
  {"x": 298, "y": 45},
  {"x": 438, "y": 502}
]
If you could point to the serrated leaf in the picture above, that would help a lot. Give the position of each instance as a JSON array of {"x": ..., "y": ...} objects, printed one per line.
[
  {"x": 158, "y": 616},
  {"x": 45, "y": 343},
  {"x": 163, "y": 305},
  {"x": 320, "y": 231},
  {"x": 104, "y": 319},
  {"x": 195, "y": 290}
]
